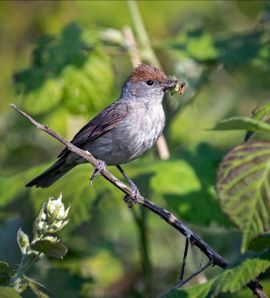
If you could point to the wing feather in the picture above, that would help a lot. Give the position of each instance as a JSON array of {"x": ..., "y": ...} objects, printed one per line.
[{"x": 102, "y": 123}]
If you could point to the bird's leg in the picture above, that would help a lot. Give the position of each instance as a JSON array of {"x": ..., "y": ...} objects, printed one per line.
[
  {"x": 98, "y": 170},
  {"x": 135, "y": 194}
]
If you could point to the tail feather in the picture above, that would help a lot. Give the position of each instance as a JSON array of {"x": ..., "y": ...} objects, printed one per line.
[{"x": 52, "y": 174}]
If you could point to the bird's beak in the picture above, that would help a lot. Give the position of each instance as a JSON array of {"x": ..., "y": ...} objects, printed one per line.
[{"x": 171, "y": 84}]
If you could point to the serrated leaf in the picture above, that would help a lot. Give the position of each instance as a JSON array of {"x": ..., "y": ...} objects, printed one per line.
[
  {"x": 235, "y": 278},
  {"x": 243, "y": 188},
  {"x": 87, "y": 89},
  {"x": 7, "y": 292},
  {"x": 39, "y": 289},
  {"x": 51, "y": 249},
  {"x": 242, "y": 123},
  {"x": 260, "y": 243},
  {"x": 261, "y": 113},
  {"x": 231, "y": 280},
  {"x": 46, "y": 81}
]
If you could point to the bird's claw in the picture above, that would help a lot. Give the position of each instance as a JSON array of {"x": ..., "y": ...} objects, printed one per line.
[
  {"x": 98, "y": 170},
  {"x": 134, "y": 197}
]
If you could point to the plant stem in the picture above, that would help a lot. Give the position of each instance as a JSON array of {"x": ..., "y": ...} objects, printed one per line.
[
  {"x": 25, "y": 263},
  {"x": 142, "y": 35}
]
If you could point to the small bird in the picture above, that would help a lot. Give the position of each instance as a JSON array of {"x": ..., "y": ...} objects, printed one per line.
[{"x": 123, "y": 131}]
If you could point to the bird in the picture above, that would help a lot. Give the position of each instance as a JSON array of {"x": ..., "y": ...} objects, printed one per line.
[{"x": 123, "y": 131}]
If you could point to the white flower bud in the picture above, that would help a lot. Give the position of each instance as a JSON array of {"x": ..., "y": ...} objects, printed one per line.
[
  {"x": 42, "y": 227},
  {"x": 64, "y": 213},
  {"x": 56, "y": 209},
  {"x": 51, "y": 239},
  {"x": 23, "y": 241},
  {"x": 42, "y": 216}
]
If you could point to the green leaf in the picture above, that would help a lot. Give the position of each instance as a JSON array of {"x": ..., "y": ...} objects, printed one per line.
[
  {"x": 39, "y": 289},
  {"x": 235, "y": 278},
  {"x": 199, "y": 291},
  {"x": 260, "y": 243},
  {"x": 261, "y": 113},
  {"x": 7, "y": 292},
  {"x": 229, "y": 281},
  {"x": 51, "y": 249},
  {"x": 243, "y": 187},
  {"x": 184, "y": 179},
  {"x": 65, "y": 68},
  {"x": 87, "y": 89},
  {"x": 167, "y": 177},
  {"x": 44, "y": 98},
  {"x": 5, "y": 273},
  {"x": 195, "y": 44},
  {"x": 242, "y": 123}
]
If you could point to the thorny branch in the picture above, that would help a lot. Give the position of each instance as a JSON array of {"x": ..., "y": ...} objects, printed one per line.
[{"x": 214, "y": 257}]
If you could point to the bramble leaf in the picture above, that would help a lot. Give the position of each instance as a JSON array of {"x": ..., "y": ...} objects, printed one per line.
[
  {"x": 242, "y": 123},
  {"x": 243, "y": 188},
  {"x": 261, "y": 113},
  {"x": 229, "y": 281}
]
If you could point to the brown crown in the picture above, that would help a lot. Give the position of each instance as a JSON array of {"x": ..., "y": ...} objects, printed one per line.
[{"x": 145, "y": 72}]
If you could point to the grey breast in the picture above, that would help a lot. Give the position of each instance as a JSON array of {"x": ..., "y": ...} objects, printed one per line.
[{"x": 136, "y": 134}]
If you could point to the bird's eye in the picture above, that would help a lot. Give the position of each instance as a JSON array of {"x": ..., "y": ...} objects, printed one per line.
[{"x": 149, "y": 83}]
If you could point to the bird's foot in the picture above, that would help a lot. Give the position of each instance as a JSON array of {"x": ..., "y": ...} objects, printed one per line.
[
  {"x": 134, "y": 197},
  {"x": 98, "y": 170}
]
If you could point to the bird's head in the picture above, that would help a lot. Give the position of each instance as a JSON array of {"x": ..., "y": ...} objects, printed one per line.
[{"x": 149, "y": 83}]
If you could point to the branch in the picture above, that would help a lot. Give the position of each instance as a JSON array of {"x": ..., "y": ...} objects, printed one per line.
[{"x": 167, "y": 216}]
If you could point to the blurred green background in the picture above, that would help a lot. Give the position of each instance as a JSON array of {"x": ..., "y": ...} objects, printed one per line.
[{"x": 61, "y": 63}]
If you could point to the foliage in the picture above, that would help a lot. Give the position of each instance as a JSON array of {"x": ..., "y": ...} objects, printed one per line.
[
  {"x": 68, "y": 61},
  {"x": 68, "y": 71},
  {"x": 52, "y": 218},
  {"x": 229, "y": 281},
  {"x": 243, "y": 185}
]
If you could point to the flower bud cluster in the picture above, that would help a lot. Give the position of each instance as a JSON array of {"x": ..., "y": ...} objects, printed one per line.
[
  {"x": 52, "y": 217},
  {"x": 23, "y": 242}
]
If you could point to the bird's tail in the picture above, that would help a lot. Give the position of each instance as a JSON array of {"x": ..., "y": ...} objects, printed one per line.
[{"x": 52, "y": 174}]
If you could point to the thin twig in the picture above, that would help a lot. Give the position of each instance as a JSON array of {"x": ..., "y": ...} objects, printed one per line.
[
  {"x": 183, "y": 282},
  {"x": 213, "y": 256},
  {"x": 184, "y": 259}
]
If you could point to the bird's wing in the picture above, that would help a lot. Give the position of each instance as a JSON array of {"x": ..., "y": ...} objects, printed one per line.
[{"x": 103, "y": 122}]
